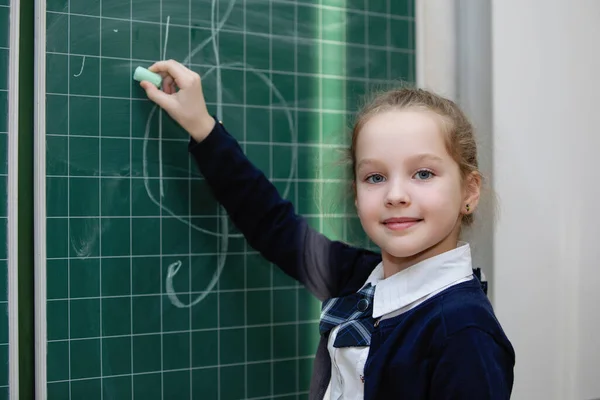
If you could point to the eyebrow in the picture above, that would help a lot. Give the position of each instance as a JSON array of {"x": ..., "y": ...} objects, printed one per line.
[
  {"x": 365, "y": 162},
  {"x": 427, "y": 156},
  {"x": 418, "y": 157}
]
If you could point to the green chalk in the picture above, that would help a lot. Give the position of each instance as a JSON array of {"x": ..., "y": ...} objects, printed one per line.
[{"x": 143, "y": 74}]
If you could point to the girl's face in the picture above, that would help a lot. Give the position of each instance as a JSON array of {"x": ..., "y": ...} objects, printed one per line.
[{"x": 409, "y": 194}]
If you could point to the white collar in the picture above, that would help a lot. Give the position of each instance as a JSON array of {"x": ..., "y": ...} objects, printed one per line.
[{"x": 419, "y": 280}]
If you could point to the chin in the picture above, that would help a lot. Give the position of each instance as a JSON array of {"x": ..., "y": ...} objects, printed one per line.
[
  {"x": 404, "y": 248},
  {"x": 405, "y": 252}
]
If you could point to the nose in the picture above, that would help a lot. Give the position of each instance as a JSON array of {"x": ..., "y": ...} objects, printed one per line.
[{"x": 397, "y": 195}]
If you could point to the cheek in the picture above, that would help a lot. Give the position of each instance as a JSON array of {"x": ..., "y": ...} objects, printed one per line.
[
  {"x": 364, "y": 201},
  {"x": 444, "y": 199}
]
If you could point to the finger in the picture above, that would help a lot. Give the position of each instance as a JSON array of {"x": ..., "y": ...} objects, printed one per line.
[
  {"x": 168, "y": 84},
  {"x": 157, "y": 96},
  {"x": 182, "y": 76},
  {"x": 171, "y": 67}
]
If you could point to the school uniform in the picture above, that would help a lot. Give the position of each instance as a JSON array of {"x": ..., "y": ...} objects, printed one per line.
[
  {"x": 431, "y": 337},
  {"x": 394, "y": 296}
]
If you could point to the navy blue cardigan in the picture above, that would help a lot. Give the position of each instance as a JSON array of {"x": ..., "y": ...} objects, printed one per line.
[{"x": 450, "y": 347}]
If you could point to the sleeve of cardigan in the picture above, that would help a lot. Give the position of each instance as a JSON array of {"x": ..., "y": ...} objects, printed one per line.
[
  {"x": 268, "y": 222},
  {"x": 472, "y": 365}
]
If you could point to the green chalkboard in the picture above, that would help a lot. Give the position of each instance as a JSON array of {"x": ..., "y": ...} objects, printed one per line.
[
  {"x": 4, "y": 226},
  {"x": 151, "y": 293}
]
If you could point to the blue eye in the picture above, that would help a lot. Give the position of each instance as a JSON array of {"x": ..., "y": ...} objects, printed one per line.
[
  {"x": 375, "y": 178},
  {"x": 424, "y": 175}
]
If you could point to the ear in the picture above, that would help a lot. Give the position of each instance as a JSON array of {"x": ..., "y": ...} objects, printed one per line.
[{"x": 472, "y": 191}]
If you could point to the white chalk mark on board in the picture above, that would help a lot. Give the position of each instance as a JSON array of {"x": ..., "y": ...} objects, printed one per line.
[
  {"x": 171, "y": 272},
  {"x": 115, "y": 30},
  {"x": 172, "y": 295},
  {"x": 213, "y": 32},
  {"x": 293, "y": 135},
  {"x": 164, "y": 55},
  {"x": 81, "y": 70},
  {"x": 223, "y": 231},
  {"x": 160, "y": 116},
  {"x": 84, "y": 243},
  {"x": 149, "y": 191}
]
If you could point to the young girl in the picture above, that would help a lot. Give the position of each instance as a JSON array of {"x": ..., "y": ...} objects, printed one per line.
[{"x": 409, "y": 323}]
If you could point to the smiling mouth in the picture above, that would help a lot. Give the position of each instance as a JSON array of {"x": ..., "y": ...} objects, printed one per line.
[{"x": 400, "y": 224}]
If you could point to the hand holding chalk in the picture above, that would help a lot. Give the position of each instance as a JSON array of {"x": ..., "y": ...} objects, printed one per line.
[
  {"x": 186, "y": 105},
  {"x": 142, "y": 74}
]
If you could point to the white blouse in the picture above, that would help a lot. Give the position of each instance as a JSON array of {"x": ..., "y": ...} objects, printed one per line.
[{"x": 395, "y": 295}]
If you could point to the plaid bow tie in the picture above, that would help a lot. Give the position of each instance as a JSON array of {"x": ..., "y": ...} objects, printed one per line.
[{"x": 353, "y": 314}]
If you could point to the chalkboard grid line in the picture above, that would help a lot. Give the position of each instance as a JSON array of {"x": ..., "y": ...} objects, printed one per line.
[
  {"x": 236, "y": 68},
  {"x": 228, "y": 30},
  {"x": 69, "y": 192},
  {"x": 131, "y": 344},
  {"x": 304, "y": 180},
  {"x": 189, "y": 257},
  {"x": 245, "y": 128},
  {"x": 239, "y": 364},
  {"x": 160, "y": 111},
  {"x": 214, "y": 32},
  {"x": 100, "y": 201},
  {"x": 11, "y": 305},
  {"x": 297, "y": 308},
  {"x": 388, "y": 34},
  {"x": 347, "y": 10},
  {"x": 320, "y": 102},
  {"x": 364, "y": 12},
  {"x": 277, "y": 396},
  {"x": 155, "y": 255},
  {"x": 233, "y": 253},
  {"x": 271, "y": 177},
  {"x": 411, "y": 6},
  {"x": 192, "y": 293},
  {"x": 232, "y": 105},
  {"x": 369, "y": 46},
  {"x": 225, "y": 328},
  {"x": 297, "y": 40},
  {"x": 242, "y": 142}
]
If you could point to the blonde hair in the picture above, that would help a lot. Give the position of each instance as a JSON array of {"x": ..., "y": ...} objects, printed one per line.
[{"x": 459, "y": 137}]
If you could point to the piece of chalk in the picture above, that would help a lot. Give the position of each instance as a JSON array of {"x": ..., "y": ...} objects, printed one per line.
[{"x": 143, "y": 74}]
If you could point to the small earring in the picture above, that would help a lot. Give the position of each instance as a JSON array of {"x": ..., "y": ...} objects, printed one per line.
[{"x": 468, "y": 208}]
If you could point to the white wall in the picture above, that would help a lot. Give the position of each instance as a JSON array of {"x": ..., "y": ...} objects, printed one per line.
[
  {"x": 436, "y": 46},
  {"x": 546, "y": 81}
]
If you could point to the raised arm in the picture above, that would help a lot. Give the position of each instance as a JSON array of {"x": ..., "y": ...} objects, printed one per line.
[{"x": 267, "y": 221}]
